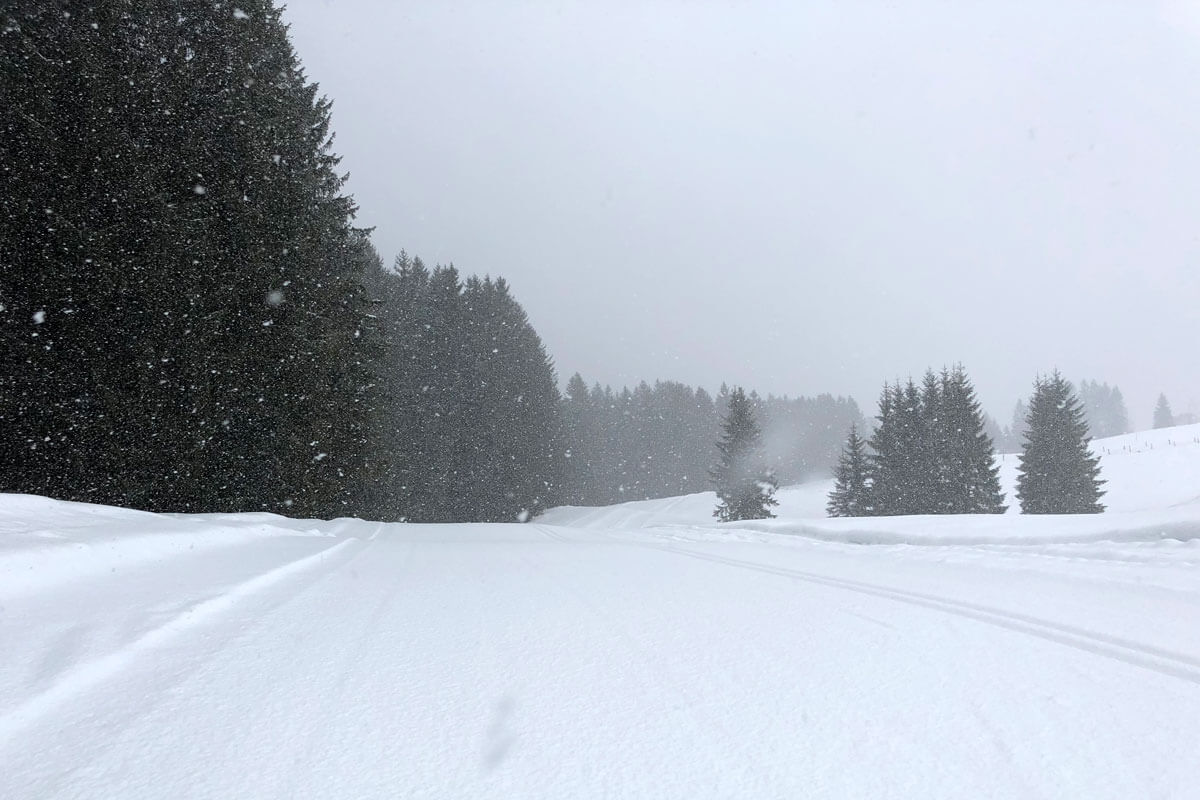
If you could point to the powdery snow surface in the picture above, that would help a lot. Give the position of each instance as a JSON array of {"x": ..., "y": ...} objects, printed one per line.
[{"x": 636, "y": 651}]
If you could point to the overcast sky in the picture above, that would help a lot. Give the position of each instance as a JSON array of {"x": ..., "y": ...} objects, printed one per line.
[{"x": 798, "y": 197}]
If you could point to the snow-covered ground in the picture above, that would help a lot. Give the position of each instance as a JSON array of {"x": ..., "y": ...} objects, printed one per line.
[{"x": 639, "y": 650}]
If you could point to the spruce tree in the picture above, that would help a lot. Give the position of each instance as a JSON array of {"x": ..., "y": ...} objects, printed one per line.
[
  {"x": 183, "y": 323},
  {"x": 579, "y": 453},
  {"x": 1019, "y": 427},
  {"x": 744, "y": 484},
  {"x": 703, "y": 432},
  {"x": 511, "y": 461},
  {"x": 851, "y": 490},
  {"x": 916, "y": 459},
  {"x": 888, "y": 461},
  {"x": 1058, "y": 473},
  {"x": 931, "y": 473},
  {"x": 1163, "y": 417},
  {"x": 997, "y": 434},
  {"x": 610, "y": 418},
  {"x": 968, "y": 474},
  {"x": 902, "y": 466},
  {"x": 1103, "y": 408},
  {"x": 468, "y": 425},
  {"x": 931, "y": 453},
  {"x": 1118, "y": 413}
]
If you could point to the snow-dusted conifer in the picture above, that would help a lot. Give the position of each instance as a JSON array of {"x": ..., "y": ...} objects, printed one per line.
[
  {"x": 968, "y": 475},
  {"x": 887, "y": 458},
  {"x": 930, "y": 452},
  {"x": 1058, "y": 473},
  {"x": 172, "y": 211},
  {"x": 745, "y": 485},
  {"x": 1163, "y": 417},
  {"x": 851, "y": 489}
]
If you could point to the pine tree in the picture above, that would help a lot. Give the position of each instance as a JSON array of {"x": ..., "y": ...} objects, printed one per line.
[
  {"x": 851, "y": 490},
  {"x": 997, "y": 434},
  {"x": 703, "y": 431},
  {"x": 931, "y": 453},
  {"x": 468, "y": 428},
  {"x": 1163, "y": 417},
  {"x": 930, "y": 473},
  {"x": 580, "y": 443},
  {"x": 1058, "y": 474},
  {"x": 916, "y": 457},
  {"x": 745, "y": 486},
  {"x": 1118, "y": 413},
  {"x": 1103, "y": 408},
  {"x": 610, "y": 421},
  {"x": 1019, "y": 427},
  {"x": 511, "y": 465},
  {"x": 888, "y": 460},
  {"x": 174, "y": 219},
  {"x": 965, "y": 454}
]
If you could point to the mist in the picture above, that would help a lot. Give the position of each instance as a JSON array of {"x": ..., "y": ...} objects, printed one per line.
[{"x": 796, "y": 200}]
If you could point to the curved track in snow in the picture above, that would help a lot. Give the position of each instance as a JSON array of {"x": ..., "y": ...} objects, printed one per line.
[{"x": 358, "y": 660}]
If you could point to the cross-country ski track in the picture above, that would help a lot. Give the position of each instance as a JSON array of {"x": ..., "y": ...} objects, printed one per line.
[{"x": 353, "y": 659}]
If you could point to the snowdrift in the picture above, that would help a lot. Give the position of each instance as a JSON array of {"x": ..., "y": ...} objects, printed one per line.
[
  {"x": 641, "y": 650},
  {"x": 45, "y": 542},
  {"x": 1153, "y": 495}
]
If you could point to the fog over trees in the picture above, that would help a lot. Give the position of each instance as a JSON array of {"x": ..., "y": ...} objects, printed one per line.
[
  {"x": 744, "y": 481},
  {"x": 193, "y": 319}
]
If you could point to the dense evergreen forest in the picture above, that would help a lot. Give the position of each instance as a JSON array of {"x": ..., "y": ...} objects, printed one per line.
[
  {"x": 466, "y": 414},
  {"x": 183, "y": 314},
  {"x": 190, "y": 319}
]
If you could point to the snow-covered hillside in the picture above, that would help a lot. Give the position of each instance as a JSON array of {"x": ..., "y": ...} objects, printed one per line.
[
  {"x": 1152, "y": 492},
  {"x": 639, "y": 650}
]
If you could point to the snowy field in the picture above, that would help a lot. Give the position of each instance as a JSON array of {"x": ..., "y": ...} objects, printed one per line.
[{"x": 638, "y": 650}]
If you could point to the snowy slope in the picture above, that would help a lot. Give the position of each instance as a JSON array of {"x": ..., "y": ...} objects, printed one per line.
[
  {"x": 635, "y": 651},
  {"x": 1152, "y": 492}
]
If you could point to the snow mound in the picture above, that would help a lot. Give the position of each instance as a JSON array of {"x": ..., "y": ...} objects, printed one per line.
[
  {"x": 46, "y": 542},
  {"x": 1153, "y": 494}
]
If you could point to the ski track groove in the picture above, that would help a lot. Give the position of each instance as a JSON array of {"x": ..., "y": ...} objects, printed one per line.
[
  {"x": 665, "y": 676},
  {"x": 552, "y": 535},
  {"x": 329, "y": 700},
  {"x": 95, "y": 672},
  {"x": 1165, "y": 662}
]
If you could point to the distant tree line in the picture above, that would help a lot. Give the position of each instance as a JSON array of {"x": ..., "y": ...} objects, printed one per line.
[
  {"x": 1163, "y": 416},
  {"x": 190, "y": 321},
  {"x": 1103, "y": 408},
  {"x": 930, "y": 454},
  {"x": 660, "y": 440}
]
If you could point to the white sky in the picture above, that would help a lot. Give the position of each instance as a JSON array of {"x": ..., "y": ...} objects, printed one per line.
[{"x": 800, "y": 198}]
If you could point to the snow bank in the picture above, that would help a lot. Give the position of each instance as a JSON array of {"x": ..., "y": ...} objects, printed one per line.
[
  {"x": 1181, "y": 525},
  {"x": 46, "y": 542},
  {"x": 1153, "y": 494}
]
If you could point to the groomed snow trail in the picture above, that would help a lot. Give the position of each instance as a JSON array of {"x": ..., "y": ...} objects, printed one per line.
[{"x": 551, "y": 661}]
